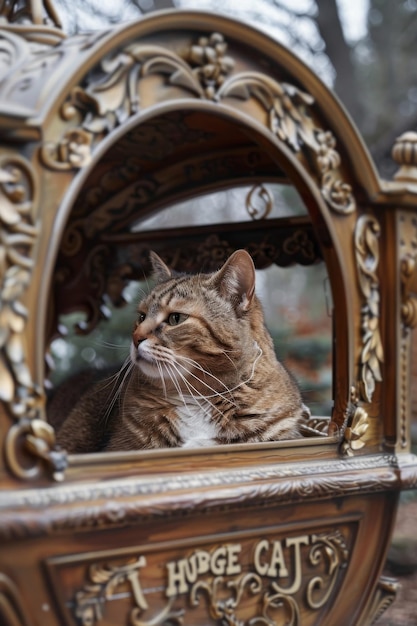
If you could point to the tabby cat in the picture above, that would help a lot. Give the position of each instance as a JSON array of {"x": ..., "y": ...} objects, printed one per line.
[{"x": 202, "y": 371}]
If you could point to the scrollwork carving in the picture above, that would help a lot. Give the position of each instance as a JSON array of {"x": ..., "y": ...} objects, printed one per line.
[
  {"x": 288, "y": 120},
  {"x": 24, "y": 398},
  {"x": 333, "y": 550},
  {"x": 73, "y": 151},
  {"x": 110, "y": 94},
  {"x": 259, "y": 202},
  {"x": 367, "y": 259},
  {"x": 220, "y": 580}
]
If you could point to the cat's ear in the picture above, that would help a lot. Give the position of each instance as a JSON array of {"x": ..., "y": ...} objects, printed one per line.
[
  {"x": 161, "y": 271},
  {"x": 236, "y": 279}
]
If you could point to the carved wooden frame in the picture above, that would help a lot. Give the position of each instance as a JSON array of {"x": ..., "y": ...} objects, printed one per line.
[{"x": 64, "y": 105}]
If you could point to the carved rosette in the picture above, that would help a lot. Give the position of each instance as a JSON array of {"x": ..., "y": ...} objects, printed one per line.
[{"x": 367, "y": 260}]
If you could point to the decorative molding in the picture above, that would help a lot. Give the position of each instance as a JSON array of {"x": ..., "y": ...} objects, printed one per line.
[
  {"x": 384, "y": 596},
  {"x": 127, "y": 501},
  {"x": 367, "y": 259}
]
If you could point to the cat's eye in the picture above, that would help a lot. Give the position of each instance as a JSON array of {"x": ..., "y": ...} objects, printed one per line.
[
  {"x": 141, "y": 317},
  {"x": 176, "y": 318}
]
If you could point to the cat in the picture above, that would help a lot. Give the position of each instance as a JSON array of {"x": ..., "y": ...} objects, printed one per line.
[{"x": 202, "y": 371}]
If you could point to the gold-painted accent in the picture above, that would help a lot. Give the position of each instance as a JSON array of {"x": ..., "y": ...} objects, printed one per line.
[
  {"x": 367, "y": 259},
  {"x": 355, "y": 431}
]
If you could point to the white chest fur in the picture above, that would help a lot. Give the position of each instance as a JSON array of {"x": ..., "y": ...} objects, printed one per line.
[{"x": 195, "y": 424}]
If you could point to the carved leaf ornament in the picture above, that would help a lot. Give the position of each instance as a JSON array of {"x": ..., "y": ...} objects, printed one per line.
[
  {"x": 367, "y": 257},
  {"x": 109, "y": 96}
]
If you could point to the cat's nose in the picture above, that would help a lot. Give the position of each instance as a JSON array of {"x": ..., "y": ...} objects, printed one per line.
[{"x": 138, "y": 337}]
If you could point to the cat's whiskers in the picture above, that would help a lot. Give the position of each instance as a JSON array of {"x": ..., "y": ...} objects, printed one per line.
[
  {"x": 118, "y": 391},
  {"x": 161, "y": 376},
  {"x": 243, "y": 382},
  {"x": 166, "y": 356},
  {"x": 113, "y": 378},
  {"x": 176, "y": 384},
  {"x": 215, "y": 394},
  {"x": 195, "y": 393},
  {"x": 201, "y": 368}
]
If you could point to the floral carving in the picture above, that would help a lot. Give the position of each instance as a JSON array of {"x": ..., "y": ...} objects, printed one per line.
[
  {"x": 212, "y": 63},
  {"x": 110, "y": 94},
  {"x": 367, "y": 259}
]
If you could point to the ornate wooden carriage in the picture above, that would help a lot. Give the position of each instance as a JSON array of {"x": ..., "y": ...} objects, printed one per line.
[{"x": 99, "y": 131}]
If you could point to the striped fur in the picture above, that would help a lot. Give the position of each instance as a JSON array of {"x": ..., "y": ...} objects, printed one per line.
[{"x": 202, "y": 371}]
